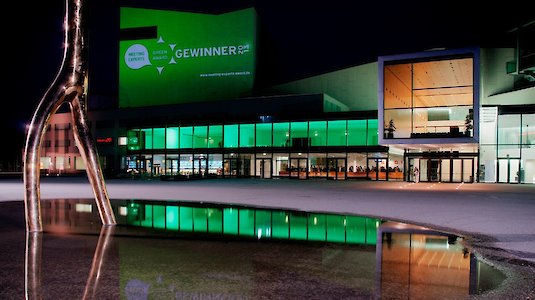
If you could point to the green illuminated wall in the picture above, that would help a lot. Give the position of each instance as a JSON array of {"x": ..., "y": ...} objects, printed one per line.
[
  {"x": 254, "y": 223},
  {"x": 194, "y": 57},
  {"x": 320, "y": 133}
]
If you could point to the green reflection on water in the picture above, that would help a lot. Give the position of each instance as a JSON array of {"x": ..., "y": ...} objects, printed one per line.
[{"x": 251, "y": 222}]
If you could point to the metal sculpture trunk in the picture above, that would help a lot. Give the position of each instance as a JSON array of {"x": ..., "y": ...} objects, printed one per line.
[{"x": 67, "y": 87}]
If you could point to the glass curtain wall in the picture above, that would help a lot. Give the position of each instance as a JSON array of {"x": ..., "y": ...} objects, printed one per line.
[
  {"x": 179, "y": 150},
  {"x": 507, "y": 152},
  {"x": 429, "y": 99}
]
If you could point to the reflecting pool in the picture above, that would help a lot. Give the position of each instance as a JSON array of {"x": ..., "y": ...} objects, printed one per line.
[{"x": 179, "y": 250}]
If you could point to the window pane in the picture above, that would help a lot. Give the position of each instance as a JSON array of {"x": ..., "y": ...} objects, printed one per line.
[
  {"x": 509, "y": 129},
  {"x": 298, "y": 132},
  {"x": 281, "y": 134},
  {"x": 200, "y": 137},
  {"x": 159, "y": 138},
  {"x": 246, "y": 135},
  {"x": 231, "y": 136},
  {"x": 186, "y": 137},
  {"x": 186, "y": 218},
  {"x": 487, "y": 125},
  {"x": 337, "y": 133},
  {"x": 372, "y": 133},
  {"x": 356, "y": 133},
  {"x": 148, "y": 138},
  {"x": 397, "y": 86},
  {"x": 528, "y": 132},
  {"x": 215, "y": 138},
  {"x": 171, "y": 138},
  {"x": 318, "y": 133},
  {"x": 135, "y": 139},
  {"x": 487, "y": 163},
  {"x": 263, "y": 135},
  {"x": 400, "y": 121}
]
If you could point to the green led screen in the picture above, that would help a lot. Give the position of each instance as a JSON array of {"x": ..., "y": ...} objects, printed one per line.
[{"x": 194, "y": 57}]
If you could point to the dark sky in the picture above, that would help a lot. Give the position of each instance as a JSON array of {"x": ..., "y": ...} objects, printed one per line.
[{"x": 296, "y": 39}]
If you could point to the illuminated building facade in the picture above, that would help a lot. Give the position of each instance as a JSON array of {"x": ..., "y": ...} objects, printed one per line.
[{"x": 458, "y": 115}]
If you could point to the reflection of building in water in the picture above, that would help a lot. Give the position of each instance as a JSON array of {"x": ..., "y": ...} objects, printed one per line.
[
  {"x": 410, "y": 261},
  {"x": 417, "y": 262}
]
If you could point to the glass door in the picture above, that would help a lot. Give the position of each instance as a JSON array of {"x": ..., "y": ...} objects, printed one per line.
[
  {"x": 337, "y": 168},
  {"x": 508, "y": 170},
  {"x": 230, "y": 167},
  {"x": 263, "y": 168},
  {"x": 298, "y": 168}
]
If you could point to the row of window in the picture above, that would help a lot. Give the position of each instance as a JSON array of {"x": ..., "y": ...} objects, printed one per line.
[{"x": 283, "y": 134}]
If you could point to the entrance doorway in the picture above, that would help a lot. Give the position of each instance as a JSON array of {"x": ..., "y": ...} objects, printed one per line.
[
  {"x": 263, "y": 168},
  {"x": 337, "y": 168},
  {"x": 442, "y": 169},
  {"x": 230, "y": 167},
  {"x": 508, "y": 170},
  {"x": 377, "y": 169},
  {"x": 298, "y": 168}
]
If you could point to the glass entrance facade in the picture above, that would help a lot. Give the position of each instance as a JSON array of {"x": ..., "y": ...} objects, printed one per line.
[
  {"x": 507, "y": 146},
  {"x": 330, "y": 149}
]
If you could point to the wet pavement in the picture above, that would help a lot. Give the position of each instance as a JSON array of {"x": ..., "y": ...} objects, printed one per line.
[{"x": 496, "y": 220}]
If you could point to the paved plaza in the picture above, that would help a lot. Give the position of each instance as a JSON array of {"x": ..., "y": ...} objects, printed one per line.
[{"x": 497, "y": 216}]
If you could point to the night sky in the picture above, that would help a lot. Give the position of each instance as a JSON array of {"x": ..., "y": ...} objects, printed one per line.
[{"x": 295, "y": 40}]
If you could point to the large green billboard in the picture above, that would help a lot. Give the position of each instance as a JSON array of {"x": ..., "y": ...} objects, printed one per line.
[{"x": 193, "y": 57}]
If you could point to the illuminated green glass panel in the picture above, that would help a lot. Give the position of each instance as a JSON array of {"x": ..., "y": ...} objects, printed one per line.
[
  {"x": 280, "y": 225},
  {"x": 371, "y": 231},
  {"x": 146, "y": 220},
  {"x": 263, "y": 135},
  {"x": 200, "y": 137},
  {"x": 230, "y": 220},
  {"x": 298, "y": 226},
  {"x": 316, "y": 227},
  {"x": 215, "y": 136},
  {"x": 186, "y": 218},
  {"x": 281, "y": 134},
  {"x": 373, "y": 138},
  {"x": 215, "y": 220},
  {"x": 318, "y": 133},
  {"x": 171, "y": 138},
  {"x": 336, "y": 229},
  {"x": 355, "y": 230},
  {"x": 356, "y": 133},
  {"x": 158, "y": 139},
  {"x": 246, "y": 222},
  {"x": 263, "y": 223},
  {"x": 171, "y": 219},
  {"x": 133, "y": 216},
  {"x": 134, "y": 140},
  {"x": 231, "y": 136},
  {"x": 186, "y": 137},
  {"x": 158, "y": 213},
  {"x": 298, "y": 130},
  {"x": 148, "y": 137},
  {"x": 200, "y": 219},
  {"x": 336, "y": 135},
  {"x": 246, "y": 135}
]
